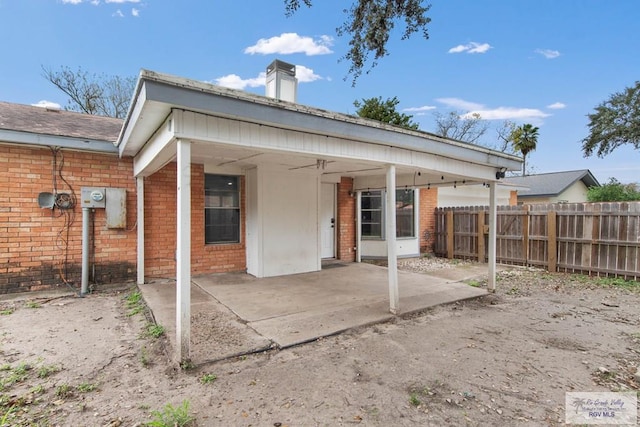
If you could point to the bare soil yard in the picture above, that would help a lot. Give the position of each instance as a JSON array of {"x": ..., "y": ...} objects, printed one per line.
[{"x": 505, "y": 359}]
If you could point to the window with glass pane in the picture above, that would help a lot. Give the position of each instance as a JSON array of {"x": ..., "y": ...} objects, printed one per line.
[
  {"x": 221, "y": 209},
  {"x": 371, "y": 209},
  {"x": 405, "y": 213}
]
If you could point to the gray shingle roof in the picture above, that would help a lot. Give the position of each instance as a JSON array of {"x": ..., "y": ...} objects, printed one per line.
[
  {"x": 551, "y": 184},
  {"x": 39, "y": 120}
]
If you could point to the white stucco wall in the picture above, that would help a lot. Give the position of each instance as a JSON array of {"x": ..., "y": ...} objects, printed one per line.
[
  {"x": 470, "y": 195},
  {"x": 282, "y": 222}
]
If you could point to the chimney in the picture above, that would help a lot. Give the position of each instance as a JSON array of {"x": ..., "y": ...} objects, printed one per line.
[{"x": 281, "y": 81}]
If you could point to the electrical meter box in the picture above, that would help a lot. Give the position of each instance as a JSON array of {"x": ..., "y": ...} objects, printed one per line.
[
  {"x": 112, "y": 200},
  {"x": 92, "y": 197}
]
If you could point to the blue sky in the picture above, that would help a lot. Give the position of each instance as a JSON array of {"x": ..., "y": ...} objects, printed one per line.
[{"x": 545, "y": 62}]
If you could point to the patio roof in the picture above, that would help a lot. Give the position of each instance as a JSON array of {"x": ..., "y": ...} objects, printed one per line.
[{"x": 349, "y": 145}]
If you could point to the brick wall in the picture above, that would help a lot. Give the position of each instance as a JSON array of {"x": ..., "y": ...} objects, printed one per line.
[
  {"x": 41, "y": 248},
  {"x": 346, "y": 220},
  {"x": 513, "y": 198},
  {"x": 160, "y": 227},
  {"x": 428, "y": 205}
]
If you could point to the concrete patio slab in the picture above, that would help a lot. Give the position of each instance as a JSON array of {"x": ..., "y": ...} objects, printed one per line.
[{"x": 290, "y": 310}]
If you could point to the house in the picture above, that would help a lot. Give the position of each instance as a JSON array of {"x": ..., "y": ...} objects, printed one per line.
[
  {"x": 554, "y": 187},
  {"x": 219, "y": 180},
  {"x": 476, "y": 195}
]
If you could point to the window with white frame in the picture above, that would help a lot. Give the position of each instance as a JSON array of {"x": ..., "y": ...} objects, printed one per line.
[
  {"x": 372, "y": 214},
  {"x": 372, "y": 211},
  {"x": 221, "y": 209}
]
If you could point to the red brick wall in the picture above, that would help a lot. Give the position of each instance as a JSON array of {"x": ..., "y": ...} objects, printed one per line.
[
  {"x": 160, "y": 228},
  {"x": 428, "y": 205},
  {"x": 346, "y": 220},
  {"x": 513, "y": 197},
  {"x": 40, "y": 248}
]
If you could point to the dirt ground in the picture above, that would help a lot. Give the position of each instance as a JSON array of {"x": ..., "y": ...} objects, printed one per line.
[{"x": 504, "y": 359}]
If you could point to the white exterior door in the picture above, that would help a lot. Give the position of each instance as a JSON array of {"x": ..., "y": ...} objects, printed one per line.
[{"x": 328, "y": 221}]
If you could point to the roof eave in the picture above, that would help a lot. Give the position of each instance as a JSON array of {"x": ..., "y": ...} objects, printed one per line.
[{"x": 157, "y": 94}]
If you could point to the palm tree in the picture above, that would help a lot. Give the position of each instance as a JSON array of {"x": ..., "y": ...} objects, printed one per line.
[{"x": 524, "y": 139}]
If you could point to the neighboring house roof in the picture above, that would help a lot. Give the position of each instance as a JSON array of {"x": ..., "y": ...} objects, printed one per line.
[
  {"x": 27, "y": 124},
  {"x": 551, "y": 184}
]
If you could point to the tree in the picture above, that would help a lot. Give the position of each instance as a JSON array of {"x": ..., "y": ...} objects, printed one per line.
[
  {"x": 96, "y": 94},
  {"x": 384, "y": 111},
  {"x": 369, "y": 24},
  {"x": 614, "y": 191},
  {"x": 455, "y": 125},
  {"x": 524, "y": 139},
  {"x": 615, "y": 122}
]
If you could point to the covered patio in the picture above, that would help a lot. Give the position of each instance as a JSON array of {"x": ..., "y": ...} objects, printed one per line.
[
  {"x": 249, "y": 314},
  {"x": 285, "y": 153}
]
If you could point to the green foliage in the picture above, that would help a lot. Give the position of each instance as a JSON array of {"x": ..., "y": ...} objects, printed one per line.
[
  {"x": 135, "y": 304},
  {"x": 208, "y": 378},
  {"x": 86, "y": 387},
  {"x": 613, "y": 191},
  {"x": 615, "y": 122},
  {"x": 45, "y": 371},
  {"x": 6, "y": 312},
  {"x": 154, "y": 330},
  {"x": 524, "y": 139},
  {"x": 384, "y": 111},
  {"x": 414, "y": 400},
  {"x": 64, "y": 390},
  {"x": 369, "y": 24},
  {"x": 32, "y": 304},
  {"x": 172, "y": 416}
]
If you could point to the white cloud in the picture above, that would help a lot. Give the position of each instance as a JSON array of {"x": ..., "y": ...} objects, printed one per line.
[
  {"x": 471, "y": 47},
  {"x": 548, "y": 53},
  {"x": 119, "y": 14},
  {"x": 420, "y": 111},
  {"x": 306, "y": 75},
  {"x": 557, "y": 106},
  {"x": 122, "y": 1},
  {"x": 71, "y": 1},
  {"x": 288, "y": 43},
  {"x": 135, "y": 12},
  {"x": 95, "y": 2},
  {"x": 48, "y": 104},
  {"x": 234, "y": 81},
  {"x": 508, "y": 113},
  {"x": 460, "y": 104}
]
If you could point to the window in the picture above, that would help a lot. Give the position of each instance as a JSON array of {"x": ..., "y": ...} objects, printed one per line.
[
  {"x": 372, "y": 209},
  {"x": 405, "y": 213},
  {"x": 221, "y": 209}
]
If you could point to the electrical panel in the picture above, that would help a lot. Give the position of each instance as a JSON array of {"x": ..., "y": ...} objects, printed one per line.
[
  {"x": 116, "y": 208},
  {"x": 112, "y": 200}
]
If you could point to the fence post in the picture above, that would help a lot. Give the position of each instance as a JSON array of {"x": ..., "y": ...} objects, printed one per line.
[
  {"x": 450, "y": 234},
  {"x": 525, "y": 235},
  {"x": 552, "y": 251},
  {"x": 481, "y": 249}
]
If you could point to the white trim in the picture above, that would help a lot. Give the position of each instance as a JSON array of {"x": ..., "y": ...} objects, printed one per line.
[
  {"x": 392, "y": 250},
  {"x": 140, "y": 228},
  {"x": 183, "y": 253},
  {"x": 493, "y": 216}
]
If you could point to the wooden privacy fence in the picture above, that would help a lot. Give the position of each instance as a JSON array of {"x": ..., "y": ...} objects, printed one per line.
[{"x": 591, "y": 238}]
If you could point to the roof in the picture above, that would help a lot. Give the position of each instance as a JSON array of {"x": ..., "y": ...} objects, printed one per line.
[
  {"x": 158, "y": 94},
  {"x": 551, "y": 184},
  {"x": 44, "y": 121}
]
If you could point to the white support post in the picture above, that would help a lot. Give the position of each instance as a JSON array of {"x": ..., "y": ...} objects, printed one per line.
[
  {"x": 390, "y": 231},
  {"x": 183, "y": 252},
  {"x": 140, "y": 228},
  {"x": 358, "y": 226},
  {"x": 493, "y": 217}
]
